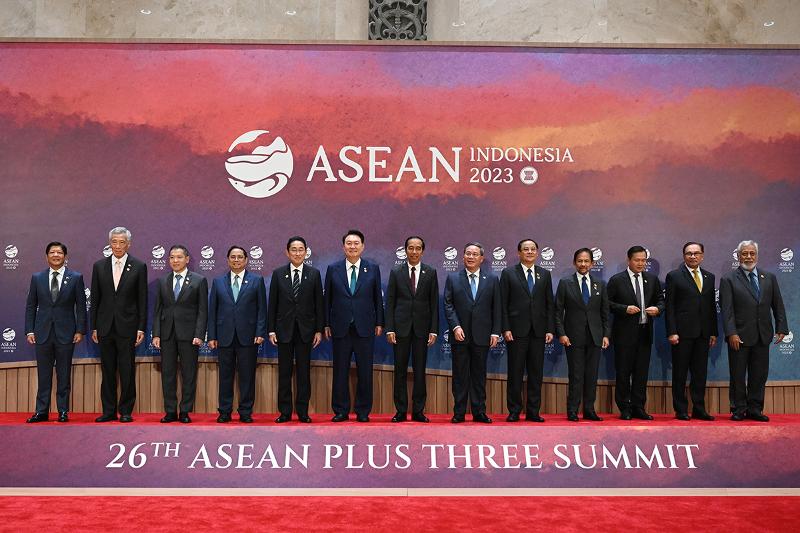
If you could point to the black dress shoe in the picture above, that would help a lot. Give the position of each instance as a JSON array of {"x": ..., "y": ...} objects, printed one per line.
[
  {"x": 362, "y": 418},
  {"x": 512, "y": 417},
  {"x": 223, "y": 418},
  {"x": 625, "y": 415},
  {"x": 184, "y": 418},
  {"x": 305, "y": 419},
  {"x": 457, "y": 419},
  {"x": 420, "y": 417},
  {"x": 531, "y": 417},
  {"x": 758, "y": 417},
  {"x": 399, "y": 417},
  {"x": 62, "y": 417},
  {"x": 681, "y": 416},
  {"x": 572, "y": 417},
  {"x": 641, "y": 414},
  {"x": 283, "y": 418},
  {"x": 482, "y": 418},
  {"x": 125, "y": 419},
  {"x": 105, "y": 418},
  {"x": 737, "y": 417},
  {"x": 702, "y": 415},
  {"x": 591, "y": 415},
  {"x": 246, "y": 419},
  {"x": 169, "y": 417},
  {"x": 37, "y": 417},
  {"x": 341, "y": 417}
]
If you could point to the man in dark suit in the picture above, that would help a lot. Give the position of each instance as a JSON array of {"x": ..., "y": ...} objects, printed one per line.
[
  {"x": 237, "y": 325},
  {"x": 691, "y": 321},
  {"x": 528, "y": 324},
  {"x": 635, "y": 299},
  {"x": 583, "y": 329},
  {"x": 55, "y": 321},
  {"x": 412, "y": 324},
  {"x": 749, "y": 299},
  {"x": 179, "y": 327},
  {"x": 353, "y": 317},
  {"x": 473, "y": 310},
  {"x": 119, "y": 318},
  {"x": 295, "y": 321}
]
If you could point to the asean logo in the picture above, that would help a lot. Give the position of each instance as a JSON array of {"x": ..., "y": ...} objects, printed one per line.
[
  {"x": 207, "y": 252},
  {"x": 547, "y": 253},
  {"x": 11, "y": 251},
  {"x": 308, "y": 252},
  {"x": 9, "y": 334},
  {"x": 788, "y": 338},
  {"x": 400, "y": 252},
  {"x": 107, "y": 251},
  {"x": 787, "y": 254},
  {"x": 597, "y": 254},
  {"x": 158, "y": 251},
  {"x": 499, "y": 253},
  {"x": 450, "y": 253},
  {"x": 256, "y": 252},
  {"x": 263, "y": 172}
]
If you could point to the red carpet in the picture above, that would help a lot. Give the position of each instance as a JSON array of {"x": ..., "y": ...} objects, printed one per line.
[{"x": 417, "y": 514}]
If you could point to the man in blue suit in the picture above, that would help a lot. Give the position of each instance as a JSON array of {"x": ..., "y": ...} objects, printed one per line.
[
  {"x": 473, "y": 310},
  {"x": 55, "y": 321},
  {"x": 353, "y": 317},
  {"x": 237, "y": 325}
]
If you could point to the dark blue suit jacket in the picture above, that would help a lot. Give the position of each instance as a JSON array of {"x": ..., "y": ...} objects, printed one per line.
[
  {"x": 246, "y": 317},
  {"x": 364, "y": 308},
  {"x": 67, "y": 313},
  {"x": 480, "y": 318}
]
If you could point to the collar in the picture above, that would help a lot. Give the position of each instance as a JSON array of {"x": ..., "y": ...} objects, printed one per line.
[
  {"x": 124, "y": 259},
  {"x": 182, "y": 273},
  {"x": 631, "y": 273},
  {"x": 241, "y": 275},
  {"x": 60, "y": 270},
  {"x": 747, "y": 272},
  {"x": 292, "y": 268},
  {"x": 580, "y": 276},
  {"x": 349, "y": 265},
  {"x": 525, "y": 269},
  {"x": 477, "y": 273}
]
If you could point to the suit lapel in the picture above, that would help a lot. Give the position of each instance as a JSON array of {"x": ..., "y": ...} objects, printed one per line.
[
  {"x": 577, "y": 291},
  {"x": 743, "y": 278},
  {"x": 361, "y": 275},
  {"x": 227, "y": 283},
  {"x": 520, "y": 272},
  {"x": 465, "y": 284},
  {"x": 482, "y": 281}
]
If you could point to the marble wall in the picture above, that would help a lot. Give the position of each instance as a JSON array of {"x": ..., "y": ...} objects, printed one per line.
[{"x": 724, "y": 22}]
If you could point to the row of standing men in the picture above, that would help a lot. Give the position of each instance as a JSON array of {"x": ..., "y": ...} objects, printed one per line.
[{"x": 236, "y": 317}]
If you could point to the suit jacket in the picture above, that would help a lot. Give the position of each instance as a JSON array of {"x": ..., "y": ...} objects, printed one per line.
[
  {"x": 523, "y": 312},
  {"x": 364, "y": 309},
  {"x": 690, "y": 313},
  {"x": 67, "y": 315},
  {"x": 246, "y": 318},
  {"x": 284, "y": 311},
  {"x": 126, "y": 307},
  {"x": 480, "y": 318},
  {"x": 186, "y": 316},
  {"x": 621, "y": 295},
  {"x": 745, "y": 315},
  {"x": 420, "y": 309},
  {"x": 573, "y": 316}
]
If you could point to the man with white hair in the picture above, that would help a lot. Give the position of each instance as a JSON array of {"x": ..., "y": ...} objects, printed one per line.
[
  {"x": 750, "y": 299},
  {"x": 119, "y": 318}
]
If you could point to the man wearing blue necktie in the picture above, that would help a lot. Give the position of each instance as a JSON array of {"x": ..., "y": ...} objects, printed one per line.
[{"x": 750, "y": 299}]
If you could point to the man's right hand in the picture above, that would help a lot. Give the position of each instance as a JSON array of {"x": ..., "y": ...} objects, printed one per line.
[
  {"x": 734, "y": 342},
  {"x": 94, "y": 336},
  {"x": 673, "y": 339},
  {"x": 633, "y": 310},
  {"x": 213, "y": 344},
  {"x": 458, "y": 333}
]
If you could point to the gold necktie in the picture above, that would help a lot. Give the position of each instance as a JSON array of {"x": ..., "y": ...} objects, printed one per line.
[{"x": 697, "y": 282}]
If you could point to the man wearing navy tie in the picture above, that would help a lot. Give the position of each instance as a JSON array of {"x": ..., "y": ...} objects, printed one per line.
[
  {"x": 55, "y": 321},
  {"x": 237, "y": 325},
  {"x": 353, "y": 317}
]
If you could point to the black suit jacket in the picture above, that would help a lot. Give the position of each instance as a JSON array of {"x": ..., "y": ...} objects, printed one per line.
[
  {"x": 188, "y": 315},
  {"x": 690, "y": 313},
  {"x": 746, "y": 316},
  {"x": 307, "y": 311},
  {"x": 124, "y": 308},
  {"x": 479, "y": 318},
  {"x": 573, "y": 316},
  {"x": 404, "y": 309},
  {"x": 67, "y": 315},
  {"x": 621, "y": 295},
  {"x": 523, "y": 312}
]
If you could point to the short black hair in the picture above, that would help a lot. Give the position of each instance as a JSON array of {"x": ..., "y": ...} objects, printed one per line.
[
  {"x": 353, "y": 232},
  {"x": 635, "y": 250},
  {"x": 415, "y": 237},
  {"x": 700, "y": 244},
  {"x": 295, "y": 238},
  {"x": 579, "y": 251},
  {"x": 179, "y": 247},
  {"x": 476, "y": 244},
  {"x": 234, "y": 247},
  {"x": 55, "y": 243},
  {"x": 519, "y": 244}
]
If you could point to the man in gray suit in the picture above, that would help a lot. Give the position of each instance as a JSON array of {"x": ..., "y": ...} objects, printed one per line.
[
  {"x": 179, "y": 327},
  {"x": 749, "y": 299}
]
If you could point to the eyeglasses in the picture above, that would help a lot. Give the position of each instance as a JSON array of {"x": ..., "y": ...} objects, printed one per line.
[
  {"x": 692, "y": 254},
  {"x": 471, "y": 254}
]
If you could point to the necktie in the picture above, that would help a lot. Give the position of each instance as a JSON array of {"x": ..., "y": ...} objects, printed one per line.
[
  {"x": 54, "y": 287},
  {"x": 296, "y": 283},
  {"x": 473, "y": 285},
  {"x": 117, "y": 273},
  {"x": 639, "y": 300},
  {"x": 754, "y": 283},
  {"x": 176, "y": 290},
  {"x": 235, "y": 287},
  {"x": 697, "y": 281},
  {"x": 413, "y": 280},
  {"x": 353, "y": 279},
  {"x": 530, "y": 281},
  {"x": 585, "y": 290}
]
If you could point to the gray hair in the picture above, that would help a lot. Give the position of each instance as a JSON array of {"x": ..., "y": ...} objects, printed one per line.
[
  {"x": 746, "y": 243},
  {"x": 476, "y": 244},
  {"x": 120, "y": 230}
]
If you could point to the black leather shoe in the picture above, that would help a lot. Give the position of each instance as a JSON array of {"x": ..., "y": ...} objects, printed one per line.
[
  {"x": 184, "y": 418},
  {"x": 341, "y": 417},
  {"x": 169, "y": 417},
  {"x": 223, "y": 418},
  {"x": 420, "y": 417},
  {"x": 641, "y": 414},
  {"x": 305, "y": 419},
  {"x": 37, "y": 417},
  {"x": 737, "y": 417},
  {"x": 362, "y": 418},
  {"x": 681, "y": 416},
  {"x": 283, "y": 418},
  {"x": 62, "y": 417},
  {"x": 702, "y": 415},
  {"x": 125, "y": 419},
  {"x": 572, "y": 417},
  {"x": 399, "y": 417},
  {"x": 457, "y": 419},
  {"x": 531, "y": 417},
  {"x": 105, "y": 418},
  {"x": 625, "y": 415},
  {"x": 482, "y": 418},
  {"x": 512, "y": 417},
  {"x": 758, "y": 417},
  {"x": 591, "y": 415},
  {"x": 246, "y": 419}
]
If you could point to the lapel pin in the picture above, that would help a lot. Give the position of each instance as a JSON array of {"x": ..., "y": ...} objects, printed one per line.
[
  {"x": 286, "y": 276},
  {"x": 245, "y": 281},
  {"x": 762, "y": 276},
  {"x": 421, "y": 271},
  {"x": 538, "y": 276},
  {"x": 645, "y": 281},
  {"x": 365, "y": 269},
  {"x": 186, "y": 282}
]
